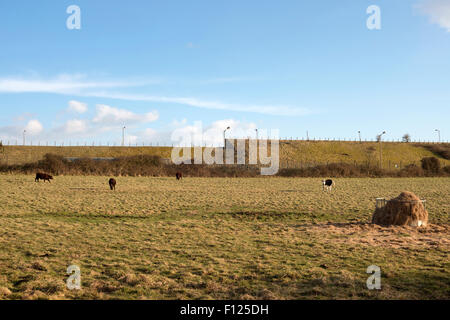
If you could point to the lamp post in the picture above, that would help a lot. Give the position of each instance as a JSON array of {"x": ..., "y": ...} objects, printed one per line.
[
  {"x": 439, "y": 134},
  {"x": 381, "y": 152},
  {"x": 224, "y": 138},
  {"x": 359, "y": 133},
  {"x": 257, "y": 135},
  {"x": 24, "y": 132},
  {"x": 123, "y": 136}
]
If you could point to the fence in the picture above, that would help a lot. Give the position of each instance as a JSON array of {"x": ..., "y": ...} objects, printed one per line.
[
  {"x": 389, "y": 164},
  {"x": 169, "y": 144},
  {"x": 381, "y": 202}
]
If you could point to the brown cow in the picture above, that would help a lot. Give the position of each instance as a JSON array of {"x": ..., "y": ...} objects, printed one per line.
[
  {"x": 112, "y": 183},
  {"x": 179, "y": 175},
  {"x": 43, "y": 176}
]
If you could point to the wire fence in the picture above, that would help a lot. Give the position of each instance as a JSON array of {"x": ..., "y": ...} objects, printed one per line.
[
  {"x": 170, "y": 144},
  {"x": 388, "y": 164}
]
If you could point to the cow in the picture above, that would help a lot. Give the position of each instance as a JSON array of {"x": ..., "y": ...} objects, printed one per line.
[
  {"x": 43, "y": 176},
  {"x": 112, "y": 184},
  {"x": 328, "y": 184},
  {"x": 179, "y": 175}
]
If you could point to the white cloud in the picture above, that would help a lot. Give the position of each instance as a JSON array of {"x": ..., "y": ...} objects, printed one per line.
[
  {"x": 215, "y": 105},
  {"x": 78, "y": 107},
  {"x": 34, "y": 127},
  {"x": 131, "y": 139},
  {"x": 76, "y": 85},
  {"x": 110, "y": 115},
  {"x": 438, "y": 11},
  {"x": 177, "y": 123},
  {"x": 75, "y": 126},
  {"x": 61, "y": 85},
  {"x": 212, "y": 135}
]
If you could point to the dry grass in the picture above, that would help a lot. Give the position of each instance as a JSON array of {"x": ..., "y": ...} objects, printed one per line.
[
  {"x": 291, "y": 152},
  {"x": 258, "y": 238},
  {"x": 334, "y": 151},
  {"x": 21, "y": 155}
]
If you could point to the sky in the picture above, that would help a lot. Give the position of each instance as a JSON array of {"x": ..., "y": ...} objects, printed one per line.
[{"x": 168, "y": 69}]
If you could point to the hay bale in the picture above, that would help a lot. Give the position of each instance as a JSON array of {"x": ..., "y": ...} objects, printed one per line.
[{"x": 405, "y": 210}]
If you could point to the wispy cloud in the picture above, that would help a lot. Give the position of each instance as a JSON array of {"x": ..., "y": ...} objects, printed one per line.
[
  {"x": 110, "y": 115},
  {"x": 78, "y": 107},
  {"x": 437, "y": 10},
  {"x": 78, "y": 86},
  {"x": 278, "y": 110},
  {"x": 59, "y": 86}
]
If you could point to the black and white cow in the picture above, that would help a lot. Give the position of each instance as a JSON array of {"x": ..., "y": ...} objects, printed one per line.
[{"x": 328, "y": 184}]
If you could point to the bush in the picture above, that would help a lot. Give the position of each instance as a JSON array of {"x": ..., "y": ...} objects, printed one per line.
[
  {"x": 411, "y": 170},
  {"x": 53, "y": 163},
  {"x": 431, "y": 165},
  {"x": 442, "y": 150},
  {"x": 446, "y": 170},
  {"x": 152, "y": 166}
]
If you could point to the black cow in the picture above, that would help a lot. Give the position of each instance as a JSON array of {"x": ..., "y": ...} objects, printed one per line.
[
  {"x": 43, "y": 176},
  {"x": 328, "y": 184},
  {"x": 179, "y": 175},
  {"x": 112, "y": 183}
]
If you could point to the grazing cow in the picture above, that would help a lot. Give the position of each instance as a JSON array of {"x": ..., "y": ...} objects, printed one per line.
[
  {"x": 328, "y": 184},
  {"x": 179, "y": 176},
  {"x": 43, "y": 176},
  {"x": 112, "y": 183}
]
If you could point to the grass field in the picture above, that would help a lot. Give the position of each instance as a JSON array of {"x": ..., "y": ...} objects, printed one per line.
[{"x": 218, "y": 238}]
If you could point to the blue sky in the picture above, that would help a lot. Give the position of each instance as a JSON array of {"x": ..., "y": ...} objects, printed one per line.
[{"x": 160, "y": 66}]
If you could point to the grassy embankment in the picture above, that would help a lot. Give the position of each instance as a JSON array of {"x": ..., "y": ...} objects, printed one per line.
[{"x": 292, "y": 153}]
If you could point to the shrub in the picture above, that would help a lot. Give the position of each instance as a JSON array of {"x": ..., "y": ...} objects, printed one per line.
[
  {"x": 411, "y": 170},
  {"x": 431, "y": 165},
  {"x": 442, "y": 150},
  {"x": 446, "y": 170},
  {"x": 53, "y": 163},
  {"x": 146, "y": 165}
]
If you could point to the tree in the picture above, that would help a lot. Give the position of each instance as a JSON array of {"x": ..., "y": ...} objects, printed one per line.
[{"x": 406, "y": 137}]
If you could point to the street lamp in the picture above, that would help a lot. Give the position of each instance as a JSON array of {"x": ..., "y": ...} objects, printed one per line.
[
  {"x": 123, "y": 136},
  {"x": 439, "y": 134},
  {"x": 359, "y": 133},
  {"x": 381, "y": 152},
  {"x": 224, "y": 139},
  {"x": 257, "y": 136}
]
